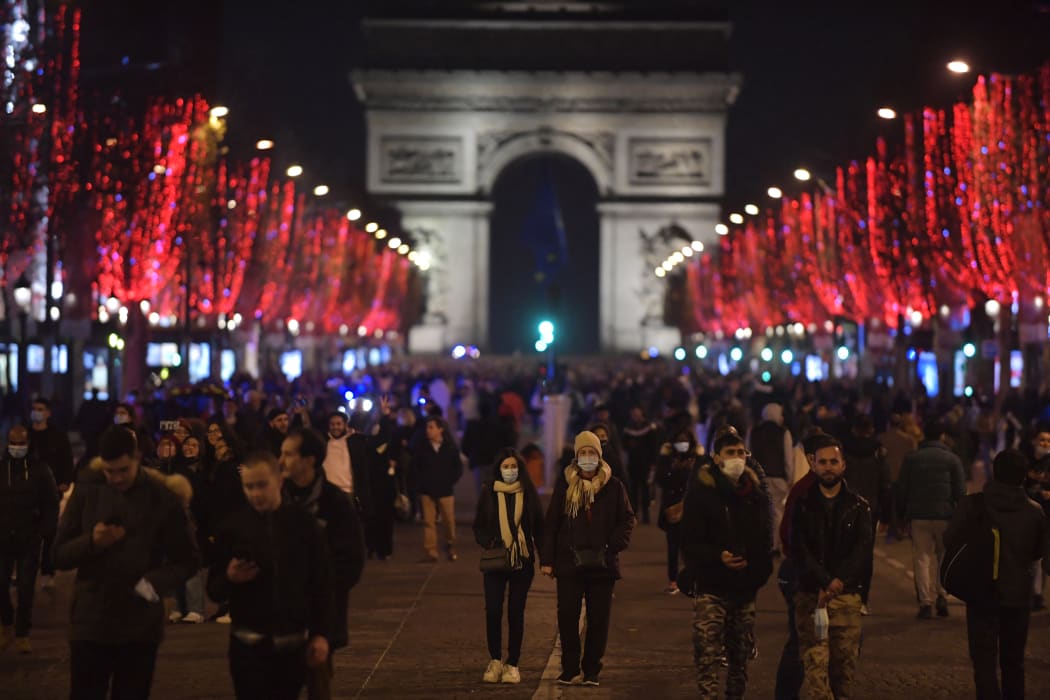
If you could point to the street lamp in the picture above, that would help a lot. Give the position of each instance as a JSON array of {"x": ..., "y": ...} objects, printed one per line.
[
  {"x": 958, "y": 66},
  {"x": 775, "y": 192},
  {"x": 294, "y": 171},
  {"x": 23, "y": 294},
  {"x": 887, "y": 113},
  {"x": 802, "y": 174}
]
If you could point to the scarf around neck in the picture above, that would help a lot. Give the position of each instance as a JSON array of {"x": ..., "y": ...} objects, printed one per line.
[
  {"x": 514, "y": 541},
  {"x": 581, "y": 492}
]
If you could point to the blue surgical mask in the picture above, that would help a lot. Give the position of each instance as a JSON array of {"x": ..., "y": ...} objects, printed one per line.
[{"x": 509, "y": 476}]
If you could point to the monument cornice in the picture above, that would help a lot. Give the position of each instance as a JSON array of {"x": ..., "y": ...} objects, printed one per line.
[{"x": 549, "y": 91}]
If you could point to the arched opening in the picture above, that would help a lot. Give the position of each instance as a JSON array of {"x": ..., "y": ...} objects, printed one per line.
[{"x": 544, "y": 256}]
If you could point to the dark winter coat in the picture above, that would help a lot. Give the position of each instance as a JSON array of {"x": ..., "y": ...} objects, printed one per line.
[
  {"x": 641, "y": 443},
  {"x": 436, "y": 471},
  {"x": 483, "y": 438},
  {"x": 486, "y": 521},
  {"x": 720, "y": 516},
  {"x": 1023, "y": 537},
  {"x": 831, "y": 543},
  {"x": 673, "y": 479},
  {"x": 51, "y": 446},
  {"x": 345, "y": 538},
  {"x": 293, "y": 592},
  {"x": 767, "y": 446},
  {"x": 931, "y": 483},
  {"x": 867, "y": 472},
  {"x": 608, "y": 524},
  {"x": 200, "y": 504},
  {"x": 28, "y": 504},
  {"x": 159, "y": 546}
]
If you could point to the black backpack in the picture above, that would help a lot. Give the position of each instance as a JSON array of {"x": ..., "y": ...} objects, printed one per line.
[{"x": 970, "y": 568}]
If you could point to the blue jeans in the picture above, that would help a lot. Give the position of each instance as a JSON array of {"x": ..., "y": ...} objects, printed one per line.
[
  {"x": 25, "y": 563},
  {"x": 789, "y": 671}
]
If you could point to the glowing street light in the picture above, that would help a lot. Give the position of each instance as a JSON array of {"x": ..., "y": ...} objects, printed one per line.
[
  {"x": 294, "y": 171},
  {"x": 697, "y": 246},
  {"x": 353, "y": 214},
  {"x": 721, "y": 229},
  {"x": 958, "y": 66},
  {"x": 394, "y": 242},
  {"x": 969, "y": 350},
  {"x": 321, "y": 190},
  {"x": 751, "y": 210},
  {"x": 218, "y": 112},
  {"x": 371, "y": 227},
  {"x": 39, "y": 108},
  {"x": 380, "y": 234},
  {"x": 775, "y": 192},
  {"x": 802, "y": 174},
  {"x": 263, "y": 145},
  {"x": 736, "y": 218},
  {"x": 887, "y": 113}
]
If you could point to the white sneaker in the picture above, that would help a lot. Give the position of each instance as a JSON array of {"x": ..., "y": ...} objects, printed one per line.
[
  {"x": 511, "y": 674},
  {"x": 493, "y": 671},
  {"x": 47, "y": 583},
  {"x": 175, "y": 616},
  {"x": 224, "y": 619},
  {"x": 193, "y": 618}
]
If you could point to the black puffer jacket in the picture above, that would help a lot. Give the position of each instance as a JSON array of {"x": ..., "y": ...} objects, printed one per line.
[
  {"x": 719, "y": 517},
  {"x": 831, "y": 543},
  {"x": 608, "y": 523},
  {"x": 1023, "y": 534},
  {"x": 28, "y": 504},
  {"x": 673, "y": 477},
  {"x": 867, "y": 472}
]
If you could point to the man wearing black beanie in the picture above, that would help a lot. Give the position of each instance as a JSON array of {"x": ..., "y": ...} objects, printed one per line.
[{"x": 998, "y": 628}]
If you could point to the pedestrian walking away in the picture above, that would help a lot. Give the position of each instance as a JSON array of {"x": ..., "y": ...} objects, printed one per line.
[
  {"x": 588, "y": 523},
  {"x": 997, "y": 623},
  {"x": 508, "y": 525}
]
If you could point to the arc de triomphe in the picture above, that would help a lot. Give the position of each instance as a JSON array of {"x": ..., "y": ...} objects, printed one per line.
[{"x": 654, "y": 143}]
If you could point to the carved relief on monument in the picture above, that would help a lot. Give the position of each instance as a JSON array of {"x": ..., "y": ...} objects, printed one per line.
[
  {"x": 650, "y": 288},
  {"x": 669, "y": 161},
  {"x": 421, "y": 159},
  {"x": 601, "y": 144},
  {"x": 437, "y": 284}
]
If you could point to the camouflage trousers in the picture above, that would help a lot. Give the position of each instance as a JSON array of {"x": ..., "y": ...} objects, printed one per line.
[
  {"x": 721, "y": 625},
  {"x": 830, "y": 664}
]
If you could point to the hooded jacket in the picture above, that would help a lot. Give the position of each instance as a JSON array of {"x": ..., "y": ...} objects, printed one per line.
[
  {"x": 1023, "y": 537},
  {"x": 673, "y": 480},
  {"x": 28, "y": 503},
  {"x": 721, "y": 516},
  {"x": 159, "y": 546}
]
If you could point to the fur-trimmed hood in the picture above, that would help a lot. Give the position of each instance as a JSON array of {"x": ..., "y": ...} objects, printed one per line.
[{"x": 176, "y": 483}]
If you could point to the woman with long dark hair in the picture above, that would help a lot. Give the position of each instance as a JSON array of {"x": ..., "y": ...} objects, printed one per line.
[{"x": 508, "y": 524}]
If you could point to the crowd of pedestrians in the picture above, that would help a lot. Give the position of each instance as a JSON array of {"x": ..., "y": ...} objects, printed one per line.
[{"x": 266, "y": 499}]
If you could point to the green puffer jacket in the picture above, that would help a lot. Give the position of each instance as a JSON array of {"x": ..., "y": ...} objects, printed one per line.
[{"x": 931, "y": 483}]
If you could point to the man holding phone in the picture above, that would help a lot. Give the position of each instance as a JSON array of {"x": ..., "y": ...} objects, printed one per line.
[
  {"x": 126, "y": 532},
  {"x": 273, "y": 565},
  {"x": 727, "y": 542}
]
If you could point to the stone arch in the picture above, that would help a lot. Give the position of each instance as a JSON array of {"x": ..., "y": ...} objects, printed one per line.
[{"x": 499, "y": 150}]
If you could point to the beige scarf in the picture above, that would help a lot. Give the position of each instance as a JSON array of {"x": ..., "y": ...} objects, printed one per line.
[
  {"x": 581, "y": 491},
  {"x": 517, "y": 546}
]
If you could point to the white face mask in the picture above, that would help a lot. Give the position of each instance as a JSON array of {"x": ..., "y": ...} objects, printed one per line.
[
  {"x": 681, "y": 446},
  {"x": 1041, "y": 452},
  {"x": 509, "y": 476},
  {"x": 733, "y": 468},
  {"x": 18, "y": 451},
  {"x": 587, "y": 464},
  {"x": 121, "y": 419}
]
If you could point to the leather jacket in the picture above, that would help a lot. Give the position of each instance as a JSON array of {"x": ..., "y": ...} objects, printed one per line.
[{"x": 831, "y": 540}]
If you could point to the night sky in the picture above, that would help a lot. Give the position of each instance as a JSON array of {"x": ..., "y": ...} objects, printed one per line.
[{"x": 812, "y": 80}]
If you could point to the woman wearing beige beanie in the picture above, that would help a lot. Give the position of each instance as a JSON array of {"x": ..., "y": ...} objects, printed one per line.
[{"x": 589, "y": 522}]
